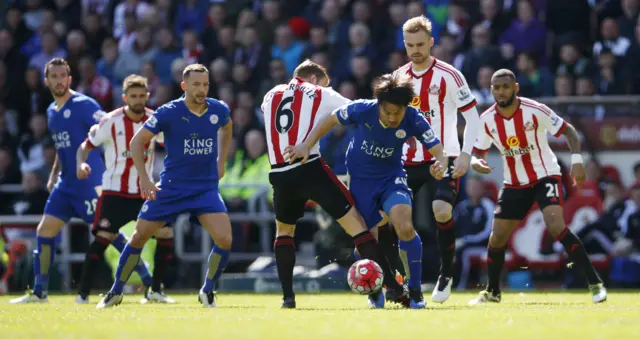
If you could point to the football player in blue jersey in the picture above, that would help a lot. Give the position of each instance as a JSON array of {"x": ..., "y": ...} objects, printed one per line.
[
  {"x": 69, "y": 117},
  {"x": 197, "y": 133},
  {"x": 378, "y": 181}
]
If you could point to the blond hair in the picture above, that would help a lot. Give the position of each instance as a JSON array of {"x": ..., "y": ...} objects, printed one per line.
[
  {"x": 417, "y": 24},
  {"x": 134, "y": 81}
]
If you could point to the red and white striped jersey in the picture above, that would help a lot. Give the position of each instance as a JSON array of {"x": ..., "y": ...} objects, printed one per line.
[
  {"x": 115, "y": 132},
  {"x": 522, "y": 140},
  {"x": 441, "y": 91},
  {"x": 290, "y": 113}
]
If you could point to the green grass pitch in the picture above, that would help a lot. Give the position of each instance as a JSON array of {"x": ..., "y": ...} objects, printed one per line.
[{"x": 520, "y": 315}]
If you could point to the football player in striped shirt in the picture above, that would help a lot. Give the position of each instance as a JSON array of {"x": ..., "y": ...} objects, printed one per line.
[{"x": 518, "y": 128}]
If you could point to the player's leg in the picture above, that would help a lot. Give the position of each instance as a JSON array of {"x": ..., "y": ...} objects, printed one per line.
[
  {"x": 446, "y": 193},
  {"x": 549, "y": 197},
  {"x": 58, "y": 211},
  {"x": 162, "y": 259},
  {"x": 513, "y": 205},
  {"x": 218, "y": 225},
  {"x": 397, "y": 205},
  {"x": 284, "y": 248}
]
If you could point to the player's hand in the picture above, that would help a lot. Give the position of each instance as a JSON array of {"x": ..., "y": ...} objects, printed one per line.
[
  {"x": 437, "y": 170},
  {"x": 291, "y": 153},
  {"x": 460, "y": 165},
  {"x": 481, "y": 166},
  {"x": 83, "y": 171},
  {"x": 578, "y": 173},
  {"x": 53, "y": 180},
  {"x": 148, "y": 189}
]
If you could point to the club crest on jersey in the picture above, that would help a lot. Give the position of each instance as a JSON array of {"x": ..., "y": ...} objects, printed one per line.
[
  {"x": 214, "y": 119},
  {"x": 434, "y": 90},
  {"x": 145, "y": 207},
  {"x": 66, "y": 113},
  {"x": 401, "y": 134},
  {"x": 513, "y": 141},
  {"x": 529, "y": 126},
  {"x": 415, "y": 102}
]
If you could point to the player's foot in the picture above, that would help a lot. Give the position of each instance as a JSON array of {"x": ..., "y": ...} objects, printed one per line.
[
  {"x": 29, "y": 298},
  {"x": 598, "y": 293},
  {"x": 376, "y": 300},
  {"x": 151, "y": 296},
  {"x": 400, "y": 296},
  {"x": 486, "y": 297},
  {"x": 416, "y": 300},
  {"x": 207, "y": 299},
  {"x": 110, "y": 300},
  {"x": 288, "y": 302},
  {"x": 82, "y": 299},
  {"x": 442, "y": 290}
]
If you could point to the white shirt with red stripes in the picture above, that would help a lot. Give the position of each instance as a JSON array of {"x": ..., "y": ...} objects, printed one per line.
[
  {"x": 522, "y": 140},
  {"x": 290, "y": 113},
  {"x": 441, "y": 91},
  {"x": 114, "y": 133}
]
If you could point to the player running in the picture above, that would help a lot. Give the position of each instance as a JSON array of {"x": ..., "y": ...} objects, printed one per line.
[
  {"x": 440, "y": 92},
  {"x": 374, "y": 162},
  {"x": 70, "y": 117},
  {"x": 120, "y": 201},
  {"x": 193, "y": 126},
  {"x": 290, "y": 113},
  {"x": 518, "y": 128}
]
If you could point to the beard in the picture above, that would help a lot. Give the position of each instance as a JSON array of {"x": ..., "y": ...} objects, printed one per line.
[
  {"x": 137, "y": 109},
  {"x": 507, "y": 102},
  {"x": 59, "y": 91},
  {"x": 418, "y": 59}
]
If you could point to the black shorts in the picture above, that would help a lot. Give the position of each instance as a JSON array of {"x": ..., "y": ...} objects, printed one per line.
[
  {"x": 312, "y": 181},
  {"x": 446, "y": 189},
  {"x": 114, "y": 211},
  {"x": 515, "y": 202}
]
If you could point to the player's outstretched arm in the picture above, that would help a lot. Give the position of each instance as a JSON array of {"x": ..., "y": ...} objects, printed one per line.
[
  {"x": 291, "y": 153},
  {"x": 578, "y": 171},
  {"x": 83, "y": 170},
  {"x": 55, "y": 174},
  {"x": 479, "y": 163},
  {"x": 147, "y": 187},
  {"x": 224, "y": 140}
]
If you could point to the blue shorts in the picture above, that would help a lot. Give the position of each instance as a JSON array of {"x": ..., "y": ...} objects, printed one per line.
[
  {"x": 65, "y": 205},
  {"x": 171, "y": 202},
  {"x": 374, "y": 195}
]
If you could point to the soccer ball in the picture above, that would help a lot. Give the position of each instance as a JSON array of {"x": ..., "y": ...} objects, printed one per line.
[{"x": 365, "y": 277}]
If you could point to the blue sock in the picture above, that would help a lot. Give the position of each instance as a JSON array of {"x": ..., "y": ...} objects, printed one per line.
[
  {"x": 128, "y": 261},
  {"x": 119, "y": 242},
  {"x": 42, "y": 261},
  {"x": 411, "y": 253},
  {"x": 356, "y": 255},
  {"x": 218, "y": 259}
]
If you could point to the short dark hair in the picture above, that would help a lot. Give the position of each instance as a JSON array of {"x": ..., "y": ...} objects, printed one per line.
[
  {"x": 397, "y": 90},
  {"x": 503, "y": 72},
  {"x": 308, "y": 68},
  {"x": 134, "y": 81},
  {"x": 198, "y": 68},
  {"x": 56, "y": 62}
]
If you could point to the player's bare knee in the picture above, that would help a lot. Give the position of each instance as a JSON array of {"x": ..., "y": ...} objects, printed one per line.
[
  {"x": 224, "y": 241},
  {"x": 554, "y": 221},
  {"x": 49, "y": 227},
  {"x": 442, "y": 210},
  {"x": 106, "y": 235},
  {"x": 498, "y": 240}
]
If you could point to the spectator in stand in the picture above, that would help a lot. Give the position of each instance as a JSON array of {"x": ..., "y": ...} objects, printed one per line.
[
  {"x": 168, "y": 51},
  {"x": 34, "y": 98},
  {"x": 31, "y": 148},
  {"x": 33, "y": 45},
  {"x": 362, "y": 75},
  {"x": 162, "y": 94},
  {"x": 95, "y": 85},
  {"x": 526, "y": 34},
  {"x": 131, "y": 59},
  {"x": 225, "y": 47},
  {"x": 216, "y": 17},
  {"x": 192, "y": 15},
  {"x": 7, "y": 140},
  {"x": 9, "y": 170},
  {"x": 149, "y": 72},
  {"x": 337, "y": 24},
  {"x": 76, "y": 50},
  {"x": 277, "y": 75},
  {"x": 32, "y": 199},
  {"x": 287, "y": 48},
  {"x": 629, "y": 18},
  {"x": 127, "y": 9},
  {"x": 636, "y": 172},
  {"x": 252, "y": 53},
  {"x": 271, "y": 20},
  {"x": 612, "y": 79},
  {"x": 107, "y": 63},
  {"x": 611, "y": 39},
  {"x": 17, "y": 27},
  {"x": 492, "y": 18},
  {"x": 95, "y": 33},
  {"x": 535, "y": 81},
  {"x": 481, "y": 53},
  {"x": 398, "y": 15},
  {"x": 573, "y": 63},
  {"x": 192, "y": 50},
  {"x": 483, "y": 91},
  {"x": 128, "y": 36},
  {"x": 10, "y": 53},
  {"x": 318, "y": 41},
  {"x": 219, "y": 71},
  {"x": 563, "y": 85}
]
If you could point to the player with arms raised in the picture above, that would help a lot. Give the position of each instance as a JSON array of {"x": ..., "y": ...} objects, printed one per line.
[
  {"x": 290, "y": 113},
  {"x": 70, "y": 117},
  {"x": 197, "y": 132},
  {"x": 120, "y": 201},
  {"x": 518, "y": 128},
  {"x": 374, "y": 162},
  {"x": 441, "y": 92}
]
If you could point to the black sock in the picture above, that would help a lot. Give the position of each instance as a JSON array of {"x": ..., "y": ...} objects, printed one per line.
[
  {"x": 366, "y": 245},
  {"x": 161, "y": 259},
  {"x": 91, "y": 260},
  {"x": 574, "y": 248},
  {"x": 495, "y": 262},
  {"x": 447, "y": 243},
  {"x": 389, "y": 245},
  {"x": 285, "y": 250}
]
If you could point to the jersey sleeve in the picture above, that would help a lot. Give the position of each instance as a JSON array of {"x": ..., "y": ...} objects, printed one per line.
[
  {"x": 92, "y": 113},
  {"x": 157, "y": 122},
  {"x": 225, "y": 114},
  {"x": 352, "y": 113},
  {"x": 101, "y": 133},
  {"x": 333, "y": 99},
  {"x": 550, "y": 120},
  {"x": 459, "y": 91},
  {"x": 422, "y": 129},
  {"x": 483, "y": 143}
]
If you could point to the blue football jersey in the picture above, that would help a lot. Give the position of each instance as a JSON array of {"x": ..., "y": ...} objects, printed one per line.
[
  {"x": 191, "y": 143},
  {"x": 69, "y": 127},
  {"x": 376, "y": 151}
]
